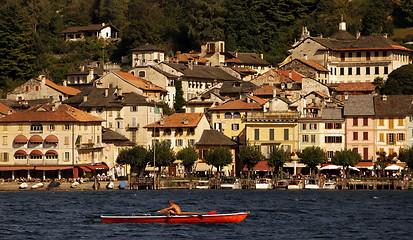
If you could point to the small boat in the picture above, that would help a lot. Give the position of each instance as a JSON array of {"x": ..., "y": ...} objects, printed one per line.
[
  {"x": 202, "y": 185},
  {"x": 282, "y": 184},
  {"x": 23, "y": 186},
  {"x": 53, "y": 185},
  {"x": 74, "y": 185},
  {"x": 330, "y": 185},
  {"x": 263, "y": 183},
  {"x": 295, "y": 184},
  {"x": 191, "y": 218},
  {"x": 231, "y": 183},
  {"x": 109, "y": 185},
  {"x": 311, "y": 183},
  {"x": 38, "y": 185}
]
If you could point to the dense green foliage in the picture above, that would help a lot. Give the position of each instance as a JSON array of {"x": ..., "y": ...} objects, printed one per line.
[
  {"x": 188, "y": 155},
  {"x": 218, "y": 157},
  {"x": 346, "y": 158},
  {"x": 250, "y": 156},
  {"x": 406, "y": 155},
  {"x": 399, "y": 81},
  {"x": 179, "y": 97},
  {"x": 31, "y": 42},
  {"x": 136, "y": 157},
  {"x": 164, "y": 154},
  {"x": 278, "y": 158},
  {"x": 312, "y": 156},
  {"x": 384, "y": 159}
]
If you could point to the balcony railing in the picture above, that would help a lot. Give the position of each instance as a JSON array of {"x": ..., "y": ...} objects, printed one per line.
[{"x": 272, "y": 117}]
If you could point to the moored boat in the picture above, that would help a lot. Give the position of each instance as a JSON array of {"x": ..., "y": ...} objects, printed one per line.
[
  {"x": 263, "y": 183},
  {"x": 330, "y": 185},
  {"x": 311, "y": 183},
  {"x": 23, "y": 185},
  {"x": 38, "y": 185},
  {"x": 231, "y": 183},
  {"x": 202, "y": 185},
  {"x": 295, "y": 184},
  {"x": 191, "y": 218},
  {"x": 282, "y": 184}
]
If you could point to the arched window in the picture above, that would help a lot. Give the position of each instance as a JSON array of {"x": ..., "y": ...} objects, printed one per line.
[
  {"x": 237, "y": 115},
  {"x": 228, "y": 115}
]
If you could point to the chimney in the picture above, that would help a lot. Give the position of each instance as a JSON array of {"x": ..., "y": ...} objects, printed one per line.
[
  {"x": 161, "y": 122},
  {"x": 106, "y": 92},
  {"x": 262, "y": 56},
  {"x": 384, "y": 97},
  {"x": 42, "y": 79},
  {"x": 342, "y": 26},
  {"x": 119, "y": 91},
  {"x": 64, "y": 83},
  {"x": 385, "y": 35},
  {"x": 274, "y": 93},
  {"x": 290, "y": 74},
  {"x": 185, "y": 121},
  {"x": 85, "y": 98},
  {"x": 358, "y": 35},
  {"x": 103, "y": 24}
]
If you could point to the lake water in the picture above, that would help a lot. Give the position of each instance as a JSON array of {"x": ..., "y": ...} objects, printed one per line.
[{"x": 275, "y": 214}]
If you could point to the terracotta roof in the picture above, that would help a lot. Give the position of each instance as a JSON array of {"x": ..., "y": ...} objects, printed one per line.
[
  {"x": 139, "y": 82},
  {"x": 45, "y": 113},
  {"x": 356, "y": 87},
  {"x": 88, "y": 28},
  {"x": 247, "y": 103},
  {"x": 291, "y": 74},
  {"x": 63, "y": 89},
  {"x": 4, "y": 109},
  {"x": 266, "y": 90},
  {"x": 215, "y": 138},
  {"x": 313, "y": 65},
  {"x": 261, "y": 166},
  {"x": 187, "y": 57},
  {"x": 245, "y": 70},
  {"x": 178, "y": 120}
]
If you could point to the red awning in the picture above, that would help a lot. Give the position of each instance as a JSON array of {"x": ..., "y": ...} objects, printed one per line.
[
  {"x": 20, "y": 139},
  {"x": 85, "y": 169},
  {"x": 51, "y": 139},
  {"x": 52, "y": 152},
  {"x": 51, "y": 168},
  {"x": 20, "y": 152},
  {"x": 11, "y": 168},
  {"x": 36, "y": 139},
  {"x": 36, "y": 152},
  {"x": 261, "y": 166},
  {"x": 98, "y": 167}
]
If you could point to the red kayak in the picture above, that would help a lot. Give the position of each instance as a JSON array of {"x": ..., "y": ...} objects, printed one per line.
[{"x": 191, "y": 218}]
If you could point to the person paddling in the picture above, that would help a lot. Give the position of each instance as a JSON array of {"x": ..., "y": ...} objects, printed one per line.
[{"x": 173, "y": 209}]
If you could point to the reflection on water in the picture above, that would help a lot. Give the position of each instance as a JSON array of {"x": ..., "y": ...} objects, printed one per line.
[{"x": 275, "y": 214}]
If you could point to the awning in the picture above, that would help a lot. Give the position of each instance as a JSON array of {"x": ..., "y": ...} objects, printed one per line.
[
  {"x": 204, "y": 167},
  {"x": 393, "y": 167},
  {"x": 51, "y": 139},
  {"x": 36, "y": 152},
  {"x": 20, "y": 139},
  {"x": 261, "y": 166},
  {"x": 98, "y": 167},
  {"x": 366, "y": 165},
  {"x": 20, "y": 152},
  {"x": 15, "y": 168},
  {"x": 36, "y": 139},
  {"x": 52, "y": 152},
  {"x": 50, "y": 168},
  {"x": 85, "y": 169}
]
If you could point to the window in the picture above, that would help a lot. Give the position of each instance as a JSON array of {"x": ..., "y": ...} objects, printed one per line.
[
  {"x": 286, "y": 134},
  {"x": 142, "y": 74},
  {"x": 27, "y": 88},
  {"x": 235, "y": 126},
  {"x": 350, "y": 54},
  {"x": 391, "y": 123},
  {"x": 36, "y": 88},
  {"x": 20, "y": 156},
  {"x": 313, "y": 126},
  {"x": 365, "y": 153},
  {"x": 329, "y": 126},
  {"x": 237, "y": 115},
  {"x": 355, "y": 150},
  {"x": 51, "y": 127},
  {"x": 358, "y": 71},
  {"x": 384, "y": 53},
  {"x": 51, "y": 156},
  {"x": 66, "y": 156},
  {"x": 38, "y": 128},
  {"x": 367, "y": 55},
  {"x": 376, "y": 53},
  {"x": 355, "y": 136},
  {"x": 66, "y": 127},
  {"x": 272, "y": 135},
  {"x": 337, "y": 126},
  {"x": 381, "y": 121},
  {"x": 401, "y": 122},
  {"x": 5, "y": 140},
  {"x": 386, "y": 70},
  {"x": 333, "y": 139},
  {"x": 367, "y": 70},
  {"x": 341, "y": 71},
  {"x": 228, "y": 115},
  {"x": 132, "y": 109},
  {"x": 365, "y": 136},
  {"x": 179, "y": 142},
  {"x": 313, "y": 138},
  {"x": 365, "y": 121},
  {"x": 400, "y": 137},
  {"x": 329, "y": 155},
  {"x": 358, "y": 54},
  {"x": 304, "y": 126},
  {"x": 343, "y": 56},
  {"x": 305, "y": 138},
  {"x": 350, "y": 71},
  {"x": 355, "y": 121},
  {"x": 390, "y": 139},
  {"x": 376, "y": 70},
  {"x": 381, "y": 137},
  {"x": 256, "y": 134},
  {"x": 191, "y": 142},
  {"x": 66, "y": 140}
]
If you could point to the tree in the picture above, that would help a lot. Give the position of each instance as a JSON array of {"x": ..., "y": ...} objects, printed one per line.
[
  {"x": 406, "y": 155},
  {"x": 379, "y": 83},
  {"x": 400, "y": 81},
  {"x": 383, "y": 160},
  {"x": 135, "y": 157},
  {"x": 312, "y": 156},
  {"x": 278, "y": 157},
  {"x": 188, "y": 155},
  {"x": 164, "y": 154},
  {"x": 346, "y": 158},
  {"x": 250, "y": 156},
  {"x": 218, "y": 157},
  {"x": 179, "y": 97}
]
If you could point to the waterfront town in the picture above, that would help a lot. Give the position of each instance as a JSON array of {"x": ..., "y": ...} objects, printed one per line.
[{"x": 323, "y": 96}]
